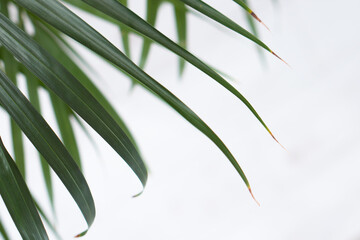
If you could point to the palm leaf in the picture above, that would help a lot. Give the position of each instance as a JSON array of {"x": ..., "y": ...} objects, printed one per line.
[
  {"x": 51, "y": 11},
  {"x": 225, "y": 21},
  {"x": 11, "y": 69},
  {"x": 17, "y": 197},
  {"x": 69, "y": 89},
  {"x": 32, "y": 87},
  {"x": 49, "y": 62},
  {"x": 56, "y": 49},
  {"x": 119, "y": 12},
  {"x": 125, "y": 34},
  {"x": 151, "y": 15},
  {"x": 181, "y": 27},
  {"x": 18, "y": 146},
  {"x": 46, "y": 142},
  {"x": 66, "y": 130},
  {"x": 244, "y": 5},
  {"x": 3, "y": 232}
]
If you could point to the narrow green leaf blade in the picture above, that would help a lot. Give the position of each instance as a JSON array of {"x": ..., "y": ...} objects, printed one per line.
[
  {"x": 3, "y": 232},
  {"x": 51, "y": 11},
  {"x": 32, "y": 87},
  {"x": 181, "y": 27},
  {"x": 125, "y": 34},
  {"x": 121, "y": 13},
  {"x": 47, "y": 143},
  {"x": 11, "y": 69},
  {"x": 81, "y": 5},
  {"x": 152, "y": 9},
  {"x": 18, "y": 146},
  {"x": 70, "y": 90},
  {"x": 18, "y": 199},
  {"x": 46, "y": 220},
  {"x": 225, "y": 21},
  {"x": 56, "y": 50},
  {"x": 63, "y": 121},
  {"x": 244, "y": 5}
]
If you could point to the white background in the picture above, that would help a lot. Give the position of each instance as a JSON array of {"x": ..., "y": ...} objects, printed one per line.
[{"x": 310, "y": 191}]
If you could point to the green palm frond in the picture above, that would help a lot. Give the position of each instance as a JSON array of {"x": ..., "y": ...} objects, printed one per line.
[
  {"x": 48, "y": 62},
  {"x": 18, "y": 199}
]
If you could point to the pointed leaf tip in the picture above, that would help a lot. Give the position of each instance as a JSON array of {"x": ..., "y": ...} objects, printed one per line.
[
  {"x": 279, "y": 143},
  {"x": 138, "y": 194},
  {"x": 81, "y": 234},
  {"x": 259, "y": 20},
  {"x": 244, "y": 5},
  {"x": 272, "y": 135},
  {"x": 252, "y": 195},
  {"x": 280, "y": 58}
]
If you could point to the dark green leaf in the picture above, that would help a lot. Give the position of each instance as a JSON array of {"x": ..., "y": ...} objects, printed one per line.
[
  {"x": 125, "y": 34},
  {"x": 46, "y": 219},
  {"x": 66, "y": 130},
  {"x": 220, "y": 18},
  {"x": 56, "y": 50},
  {"x": 71, "y": 91},
  {"x": 46, "y": 142},
  {"x": 244, "y": 5},
  {"x": 121, "y": 13},
  {"x": 63, "y": 19},
  {"x": 11, "y": 69},
  {"x": 152, "y": 9},
  {"x": 32, "y": 87},
  {"x": 181, "y": 26},
  {"x": 17, "y": 197},
  {"x": 3, "y": 232}
]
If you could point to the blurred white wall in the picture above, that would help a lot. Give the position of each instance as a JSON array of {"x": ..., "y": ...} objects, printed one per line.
[{"x": 310, "y": 191}]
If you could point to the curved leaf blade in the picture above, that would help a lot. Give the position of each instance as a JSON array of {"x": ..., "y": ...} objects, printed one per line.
[
  {"x": 152, "y": 9},
  {"x": 62, "y": 116},
  {"x": 47, "y": 143},
  {"x": 181, "y": 27},
  {"x": 125, "y": 34},
  {"x": 123, "y": 14},
  {"x": 71, "y": 91},
  {"x": 46, "y": 220},
  {"x": 244, "y": 5},
  {"x": 18, "y": 199},
  {"x": 225, "y": 21},
  {"x": 125, "y": 31},
  {"x": 59, "y": 52},
  {"x": 11, "y": 69},
  {"x": 3, "y": 232},
  {"x": 32, "y": 87},
  {"x": 51, "y": 11}
]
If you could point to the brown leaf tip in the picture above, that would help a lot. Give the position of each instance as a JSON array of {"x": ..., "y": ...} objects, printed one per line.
[
  {"x": 272, "y": 135},
  {"x": 278, "y": 142},
  {"x": 81, "y": 234},
  {"x": 259, "y": 20},
  {"x": 279, "y": 58},
  {"x": 252, "y": 195}
]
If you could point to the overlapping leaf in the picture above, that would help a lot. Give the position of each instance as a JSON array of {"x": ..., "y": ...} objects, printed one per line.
[
  {"x": 60, "y": 17},
  {"x": 16, "y": 195},
  {"x": 11, "y": 70},
  {"x": 46, "y": 142},
  {"x": 3, "y": 232},
  {"x": 81, "y": 94},
  {"x": 70, "y": 90},
  {"x": 244, "y": 5},
  {"x": 225, "y": 21},
  {"x": 123, "y": 14},
  {"x": 59, "y": 51},
  {"x": 32, "y": 87}
]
